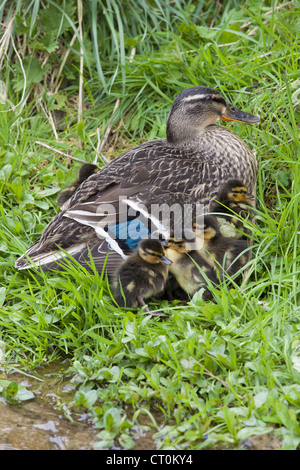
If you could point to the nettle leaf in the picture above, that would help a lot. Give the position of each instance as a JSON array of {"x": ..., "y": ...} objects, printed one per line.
[
  {"x": 20, "y": 26},
  {"x": 47, "y": 43},
  {"x": 57, "y": 101},
  {"x": 283, "y": 177},
  {"x": 53, "y": 20},
  {"x": 33, "y": 70},
  {"x": 50, "y": 43}
]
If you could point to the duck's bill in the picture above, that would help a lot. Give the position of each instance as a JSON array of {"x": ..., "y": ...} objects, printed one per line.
[
  {"x": 166, "y": 260},
  {"x": 250, "y": 196},
  {"x": 234, "y": 114}
]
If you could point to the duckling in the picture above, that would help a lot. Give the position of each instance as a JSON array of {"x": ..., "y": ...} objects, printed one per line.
[
  {"x": 84, "y": 172},
  {"x": 222, "y": 253},
  {"x": 190, "y": 269},
  {"x": 142, "y": 275},
  {"x": 233, "y": 203}
]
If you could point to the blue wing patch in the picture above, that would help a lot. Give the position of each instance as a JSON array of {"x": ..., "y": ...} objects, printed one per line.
[{"x": 131, "y": 232}]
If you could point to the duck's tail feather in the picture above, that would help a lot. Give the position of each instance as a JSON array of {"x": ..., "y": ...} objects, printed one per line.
[
  {"x": 33, "y": 257},
  {"x": 100, "y": 255}
]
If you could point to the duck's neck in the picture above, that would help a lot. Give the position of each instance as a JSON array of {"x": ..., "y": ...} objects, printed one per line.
[
  {"x": 183, "y": 134},
  {"x": 183, "y": 137}
]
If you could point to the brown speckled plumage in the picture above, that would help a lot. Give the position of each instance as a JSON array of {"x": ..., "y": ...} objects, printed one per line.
[{"x": 188, "y": 167}]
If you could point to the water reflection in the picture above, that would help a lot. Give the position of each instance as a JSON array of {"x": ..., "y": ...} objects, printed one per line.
[{"x": 41, "y": 423}]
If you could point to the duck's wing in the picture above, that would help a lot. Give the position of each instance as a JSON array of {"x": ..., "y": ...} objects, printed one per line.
[
  {"x": 93, "y": 223},
  {"x": 82, "y": 232},
  {"x": 149, "y": 174}
]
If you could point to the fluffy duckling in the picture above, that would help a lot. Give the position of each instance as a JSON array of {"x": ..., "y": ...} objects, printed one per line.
[
  {"x": 190, "y": 269},
  {"x": 84, "y": 172},
  {"x": 222, "y": 253},
  {"x": 233, "y": 203},
  {"x": 142, "y": 275}
]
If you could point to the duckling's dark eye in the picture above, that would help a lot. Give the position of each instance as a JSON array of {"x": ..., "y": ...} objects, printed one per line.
[
  {"x": 239, "y": 191},
  {"x": 208, "y": 97}
]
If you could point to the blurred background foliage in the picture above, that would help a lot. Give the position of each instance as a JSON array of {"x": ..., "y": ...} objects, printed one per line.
[{"x": 142, "y": 52}]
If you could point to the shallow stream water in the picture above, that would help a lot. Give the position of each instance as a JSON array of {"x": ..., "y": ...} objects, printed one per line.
[{"x": 42, "y": 423}]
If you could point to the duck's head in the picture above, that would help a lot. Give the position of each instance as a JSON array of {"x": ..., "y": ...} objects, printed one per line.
[
  {"x": 152, "y": 252},
  {"x": 235, "y": 191},
  {"x": 197, "y": 107},
  {"x": 208, "y": 228}
]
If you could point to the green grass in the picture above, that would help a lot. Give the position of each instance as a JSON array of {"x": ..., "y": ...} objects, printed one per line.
[{"x": 212, "y": 373}]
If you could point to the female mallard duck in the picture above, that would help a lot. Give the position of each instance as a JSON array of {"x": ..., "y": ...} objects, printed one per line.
[
  {"x": 190, "y": 269},
  {"x": 224, "y": 254},
  {"x": 233, "y": 205},
  {"x": 185, "y": 169},
  {"x": 142, "y": 275},
  {"x": 84, "y": 172}
]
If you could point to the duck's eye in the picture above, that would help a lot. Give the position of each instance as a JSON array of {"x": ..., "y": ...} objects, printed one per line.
[{"x": 208, "y": 97}]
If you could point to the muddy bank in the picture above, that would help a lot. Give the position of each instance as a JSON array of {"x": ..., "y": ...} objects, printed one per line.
[
  {"x": 42, "y": 423},
  {"x": 47, "y": 422}
]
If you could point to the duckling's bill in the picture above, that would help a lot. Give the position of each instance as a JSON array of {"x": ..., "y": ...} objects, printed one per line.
[{"x": 166, "y": 260}]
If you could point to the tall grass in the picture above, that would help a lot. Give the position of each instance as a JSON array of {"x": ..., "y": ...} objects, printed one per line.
[{"x": 216, "y": 372}]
